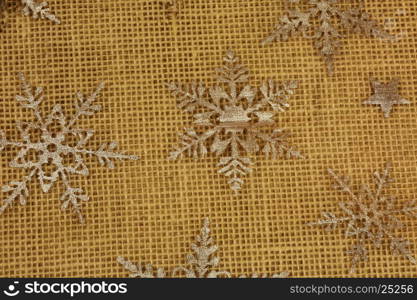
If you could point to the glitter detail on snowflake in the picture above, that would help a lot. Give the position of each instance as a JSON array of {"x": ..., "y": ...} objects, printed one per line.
[
  {"x": 200, "y": 264},
  {"x": 172, "y": 7},
  {"x": 232, "y": 120},
  {"x": 38, "y": 10},
  {"x": 386, "y": 95},
  {"x": 370, "y": 216},
  {"x": 325, "y": 24},
  {"x": 47, "y": 152}
]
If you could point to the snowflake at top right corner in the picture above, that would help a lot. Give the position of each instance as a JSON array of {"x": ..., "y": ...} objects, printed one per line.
[{"x": 325, "y": 22}]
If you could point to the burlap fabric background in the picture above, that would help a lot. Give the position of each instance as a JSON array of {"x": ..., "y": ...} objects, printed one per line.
[{"x": 151, "y": 210}]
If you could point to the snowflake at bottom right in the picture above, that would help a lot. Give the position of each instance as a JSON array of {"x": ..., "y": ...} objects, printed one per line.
[{"x": 370, "y": 217}]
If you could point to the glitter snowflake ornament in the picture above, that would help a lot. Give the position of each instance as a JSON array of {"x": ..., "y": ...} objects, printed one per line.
[
  {"x": 172, "y": 7},
  {"x": 200, "y": 264},
  {"x": 386, "y": 95},
  {"x": 38, "y": 10},
  {"x": 370, "y": 217},
  {"x": 231, "y": 118},
  {"x": 326, "y": 23},
  {"x": 47, "y": 151}
]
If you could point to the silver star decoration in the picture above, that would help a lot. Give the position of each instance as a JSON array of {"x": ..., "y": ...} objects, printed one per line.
[{"x": 386, "y": 95}]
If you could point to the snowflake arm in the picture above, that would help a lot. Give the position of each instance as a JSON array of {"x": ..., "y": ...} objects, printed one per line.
[
  {"x": 290, "y": 24},
  {"x": 235, "y": 166},
  {"x": 38, "y": 10},
  {"x": 200, "y": 264},
  {"x": 358, "y": 21},
  {"x": 383, "y": 179},
  {"x": 192, "y": 144},
  {"x": 139, "y": 271},
  {"x": 359, "y": 254},
  {"x": 85, "y": 106},
  {"x": 203, "y": 260},
  {"x": 18, "y": 191},
  {"x": 276, "y": 145},
  {"x": 190, "y": 97},
  {"x": 71, "y": 198},
  {"x": 277, "y": 95},
  {"x": 32, "y": 97}
]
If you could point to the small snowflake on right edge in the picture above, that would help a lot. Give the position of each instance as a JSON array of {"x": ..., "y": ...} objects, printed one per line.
[
  {"x": 386, "y": 95},
  {"x": 370, "y": 217}
]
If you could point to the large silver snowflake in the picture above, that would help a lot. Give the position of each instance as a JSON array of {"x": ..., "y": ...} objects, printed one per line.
[
  {"x": 325, "y": 23},
  {"x": 172, "y": 7},
  {"x": 200, "y": 264},
  {"x": 370, "y": 216},
  {"x": 231, "y": 118},
  {"x": 52, "y": 149}
]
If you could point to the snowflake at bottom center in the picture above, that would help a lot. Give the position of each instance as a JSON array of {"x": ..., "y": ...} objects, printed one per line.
[
  {"x": 47, "y": 153},
  {"x": 232, "y": 118}
]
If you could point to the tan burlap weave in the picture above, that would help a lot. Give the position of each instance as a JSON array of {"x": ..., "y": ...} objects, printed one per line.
[{"x": 150, "y": 210}]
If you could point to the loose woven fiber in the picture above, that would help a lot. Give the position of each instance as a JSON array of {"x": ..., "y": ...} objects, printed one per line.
[{"x": 150, "y": 210}]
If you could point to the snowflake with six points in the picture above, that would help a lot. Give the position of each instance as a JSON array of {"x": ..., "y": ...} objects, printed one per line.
[
  {"x": 232, "y": 119},
  {"x": 49, "y": 154},
  {"x": 370, "y": 216},
  {"x": 386, "y": 95}
]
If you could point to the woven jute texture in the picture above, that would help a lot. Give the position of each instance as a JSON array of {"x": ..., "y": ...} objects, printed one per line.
[{"x": 150, "y": 210}]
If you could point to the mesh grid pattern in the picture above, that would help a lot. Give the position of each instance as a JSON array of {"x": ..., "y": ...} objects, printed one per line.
[{"x": 151, "y": 210}]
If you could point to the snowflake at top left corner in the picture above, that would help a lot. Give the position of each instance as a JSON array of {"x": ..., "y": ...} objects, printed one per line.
[
  {"x": 46, "y": 149},
  {"x": 35, "y": 8}
]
